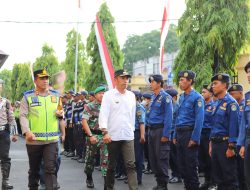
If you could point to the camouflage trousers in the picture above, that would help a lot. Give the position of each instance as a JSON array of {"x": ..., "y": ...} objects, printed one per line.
[{"x": 91, "y": 150}]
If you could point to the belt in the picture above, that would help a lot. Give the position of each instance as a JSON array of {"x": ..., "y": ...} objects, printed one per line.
[
  {"x": 184, "y": 128},
  {"x": 96, "y": 132},
  {"x": 2, "y": 128},
  {"x": 219, "y": 139},
  {"x": 156, "y": 126},
  {"x": 206, "y": 130}
]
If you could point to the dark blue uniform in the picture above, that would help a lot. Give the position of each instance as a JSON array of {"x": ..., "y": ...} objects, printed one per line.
[
  {"x": 160, "y": 122},
  {"x": 244, "y": 138},
  {"x": 173, "y": 162},
  {"x": 224, "y": 131},
  {"x": 204, "y": 157},
  {"x": 68, "y": 143},
  {"x": 189, "y": 122},
  {"x": 139, "y": 119}
]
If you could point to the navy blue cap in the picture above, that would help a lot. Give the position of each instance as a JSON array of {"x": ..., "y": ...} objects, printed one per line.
[
  {"x": 208, "y": 87},
  {"x": 70, "y": 92},
  {"x": 235, "y": 87},
  {"x": 84, "y": 92},
  {"x": 187, "y": 74},
  {"x": 78, "y": 94},
  {"x": 156, "y": 78},
  {"x": 172, "y": 92},
  {"x": 221, "y": 77},
  {"x": 247, "y": 66},
  {"x": 137, "y": 93},
  {"x": 91, "y": 93},
  {"x": 147, "y": 95}
]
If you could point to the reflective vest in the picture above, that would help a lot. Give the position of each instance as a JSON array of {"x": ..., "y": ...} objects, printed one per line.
[{"x": 42, "y": 119}]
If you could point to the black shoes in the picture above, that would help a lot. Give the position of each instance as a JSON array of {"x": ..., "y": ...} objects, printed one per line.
[{"x": 175, "y": 180}]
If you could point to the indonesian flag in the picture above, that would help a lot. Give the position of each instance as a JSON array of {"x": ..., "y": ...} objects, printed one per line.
[
  {"x": 104, "y": 54},
  {"x": 164, "y": 32}
]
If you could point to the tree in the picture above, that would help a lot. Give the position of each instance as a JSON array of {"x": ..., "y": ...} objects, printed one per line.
[
  {"x": 5, "y": 75},
  {"x": 69, "y": 64},
  {"x": 48, "y": 60},
  {"x": 96, "y": 75},
  {"x": 147, "y": 45},
  {"x": 211, "y": 36},
  {"x": 21, "y": 80}
]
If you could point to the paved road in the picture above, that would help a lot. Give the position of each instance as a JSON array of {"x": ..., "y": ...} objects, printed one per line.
[{"x": 71, "y": 174}]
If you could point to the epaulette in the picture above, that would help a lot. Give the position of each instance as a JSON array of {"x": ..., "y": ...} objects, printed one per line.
[
  {"x": 29, "y": 92},
  {"x": 54, "y": 91}
]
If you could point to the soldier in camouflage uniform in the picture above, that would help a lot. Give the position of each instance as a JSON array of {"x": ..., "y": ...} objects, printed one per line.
[{"x": 94, "y": 137}]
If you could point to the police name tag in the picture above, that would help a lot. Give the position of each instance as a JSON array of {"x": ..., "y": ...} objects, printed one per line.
[{"x": 35, "y": 104}]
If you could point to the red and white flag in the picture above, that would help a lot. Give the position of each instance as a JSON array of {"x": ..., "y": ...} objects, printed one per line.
[
  {"x": 104, "y": 53},
  {"x": 164, "y": 32}
]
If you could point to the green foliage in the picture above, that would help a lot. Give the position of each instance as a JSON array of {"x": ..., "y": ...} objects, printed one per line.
[
  {"x": 147, "y": 45},
  {"x": 48, "y": 60},
  {"x": 211, "y": 36},
  {"x": 21, "y": 80},
  {"x": 69, "y": 64},
  {"x": 96, "y": 73},
  {"x": 5, "y": 75}
]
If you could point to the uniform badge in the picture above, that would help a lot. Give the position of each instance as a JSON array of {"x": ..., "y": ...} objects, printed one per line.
[
  {"x": 185, "y": 74},
  {"x": 248, "y": 102},
  {"x": 241, "y": 108},
  {"x": 138, "y": 113},
  {"x": 220, "y": 77},
  {"x": 167, "y": 99},
  {"x": 233, "y": 107},
  {"x": 34, "y": 99},
  {"x": 224, "y": 104},
  {"x": 235, "y": 87},
  {"x": 199, "y": 103},
  {"x": 53, "y": 99}
]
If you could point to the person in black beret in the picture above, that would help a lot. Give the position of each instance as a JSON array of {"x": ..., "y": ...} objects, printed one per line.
[
  {"x": 91, "y": 96},
  {"x": 244, "y": 133},
  {"x": 236, "y": 91},
  {"x": 224, "y": 135},
  {"x": 176, "y": 175},
  {"x": 156, "y": 78},
  {"x": 204, "y": 158},
  {"x": 188, "y": 125}
]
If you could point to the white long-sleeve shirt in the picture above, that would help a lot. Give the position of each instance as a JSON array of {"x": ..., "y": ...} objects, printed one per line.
[{"x": 117, "y": 114}]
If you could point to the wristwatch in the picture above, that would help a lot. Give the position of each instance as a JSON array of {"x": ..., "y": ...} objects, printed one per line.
[{"x": 90, "y": 135}]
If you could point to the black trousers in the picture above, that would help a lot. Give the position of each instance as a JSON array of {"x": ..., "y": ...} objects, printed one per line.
[
  {"x": 187, "y": 160},
  {"x": 48, "y": 153},
  {"x": 5, "y": 147},
  {"x": 78, "y": 139},
  {"x": 247, "y": 162},
  {"x": 224, "y": 170}
]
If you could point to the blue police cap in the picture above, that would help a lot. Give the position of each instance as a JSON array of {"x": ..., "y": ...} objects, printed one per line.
[
  {"x": 208, "y": 87},
  {"x": 172, "y": 92},
  {"x": 137, "y": 93},
  {"x": 156, "y": 78},
  {"x": 247, "y": 66},
  {"x": 221, "y": 77},
  {"x": 70, "y": 92},
  {"x": 147, "y": 95},
  {"x": 187, "y": 74},
  {"x": 91, "y": 93},
  {"x": 235, "y": 87},
  {"x": 84, "y": 92}
]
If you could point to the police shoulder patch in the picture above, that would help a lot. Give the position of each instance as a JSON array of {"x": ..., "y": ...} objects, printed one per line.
[
  {"x": 233, "y": 107},
  {"x": 199, "y": 103},
  {"x": 167, "y": 99}
]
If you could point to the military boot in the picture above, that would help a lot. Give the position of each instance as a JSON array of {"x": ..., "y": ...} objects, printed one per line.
[
  {"x": 105, "y": 183},
  {"x": 5, "y": 174},
  {"x": 89, "y": 181}
]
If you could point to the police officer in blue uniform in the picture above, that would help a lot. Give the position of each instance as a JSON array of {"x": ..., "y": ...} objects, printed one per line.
[
  {"x": 236, "y": 91},
  {"x": 159, "y": 123},
  {"x": 173, "y": 161},
  {"x": 224, "y": 135},
  {"x": 189, "y": 121},
  {"x": 244, "y": 135},
  {"x": 146, "y": 103},
  {"x": 204, "y": 157},
  {"x": 139, "y": 139}
]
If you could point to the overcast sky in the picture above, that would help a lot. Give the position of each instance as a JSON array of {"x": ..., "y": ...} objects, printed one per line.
[{"x": 23, "y": 42}]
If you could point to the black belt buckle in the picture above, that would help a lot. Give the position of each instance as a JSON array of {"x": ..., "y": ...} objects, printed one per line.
[
  {"x": 184, "y": 128},
  {"x": 219, "y": 139}
]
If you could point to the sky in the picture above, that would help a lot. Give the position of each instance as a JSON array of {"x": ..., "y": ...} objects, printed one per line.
[{"x": 23, "y": 41}]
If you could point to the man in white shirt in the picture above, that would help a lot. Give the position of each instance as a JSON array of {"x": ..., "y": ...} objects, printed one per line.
[{"x": 117, "y": 121}]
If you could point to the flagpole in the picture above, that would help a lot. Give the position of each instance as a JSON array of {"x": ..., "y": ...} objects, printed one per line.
[{"x": 76, "y": 52}]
